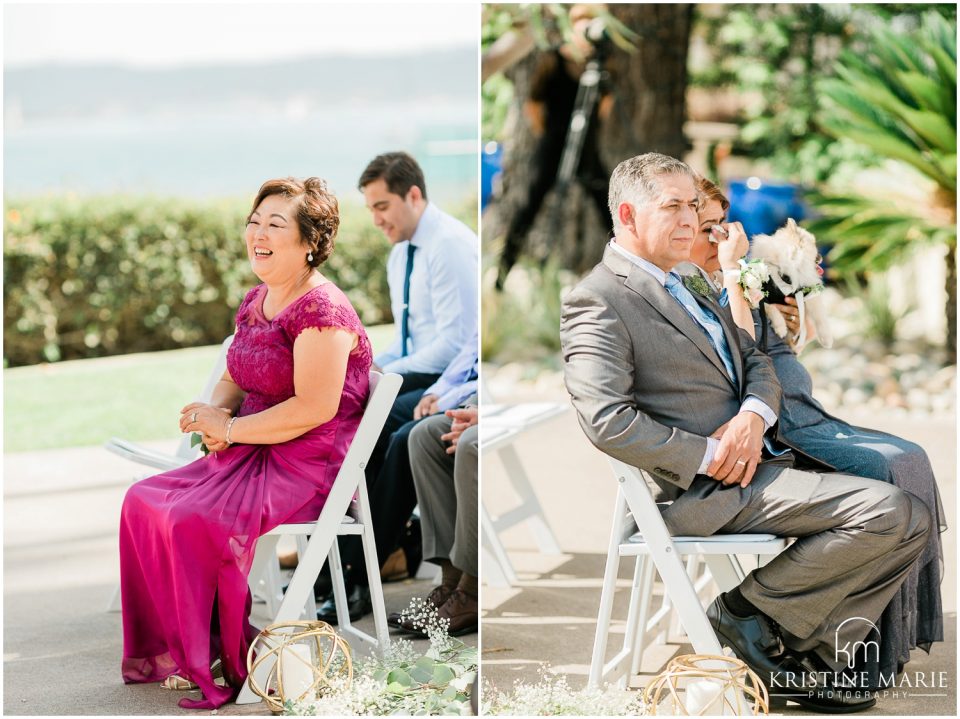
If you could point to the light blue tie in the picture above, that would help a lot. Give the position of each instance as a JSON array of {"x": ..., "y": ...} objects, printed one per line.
[{"x": 705, "y": 319}]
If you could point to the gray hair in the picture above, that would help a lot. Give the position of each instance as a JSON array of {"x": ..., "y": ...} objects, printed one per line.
[{"x": 635, "y": 180}]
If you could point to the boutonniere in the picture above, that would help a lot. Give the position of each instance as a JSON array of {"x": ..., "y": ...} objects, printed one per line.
[{"x": 695, "y": 283}]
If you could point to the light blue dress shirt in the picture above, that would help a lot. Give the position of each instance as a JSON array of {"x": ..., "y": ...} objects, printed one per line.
[
  {"x": 459, "y": 379},
  {"x": 443, "y": 294},
  {"x": 751, "y": 403}
]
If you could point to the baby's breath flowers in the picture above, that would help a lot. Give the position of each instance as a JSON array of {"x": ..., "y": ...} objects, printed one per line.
[
  {"x": 402, "y": 681},
  {"x": 553, "y": 696}
]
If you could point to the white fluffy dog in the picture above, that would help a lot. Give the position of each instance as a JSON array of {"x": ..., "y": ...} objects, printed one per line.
[{"x": 791, "y": 256}]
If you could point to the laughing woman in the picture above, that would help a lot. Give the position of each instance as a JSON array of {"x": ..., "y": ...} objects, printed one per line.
[
  {"x": 277, "y": 427},
  {"x": 914, "y": 618}
]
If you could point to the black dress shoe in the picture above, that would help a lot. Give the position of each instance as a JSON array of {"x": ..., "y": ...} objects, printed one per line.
[
  {"x": 358, "y": 605},
  {"x": 756, "y": 642},
  {"x": 754, "y": 639}
]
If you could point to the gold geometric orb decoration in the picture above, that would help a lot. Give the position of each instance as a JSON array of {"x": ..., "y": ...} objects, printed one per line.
[
  {"x": 296, "y": 661},
  {"x": 712, "y": 685}
]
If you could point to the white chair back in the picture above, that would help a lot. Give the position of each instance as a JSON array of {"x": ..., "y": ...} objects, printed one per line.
[{"x": 184, "y": 448}]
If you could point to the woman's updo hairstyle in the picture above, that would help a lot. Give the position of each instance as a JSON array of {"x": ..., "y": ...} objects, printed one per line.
[{"x": 318, "y": 213}]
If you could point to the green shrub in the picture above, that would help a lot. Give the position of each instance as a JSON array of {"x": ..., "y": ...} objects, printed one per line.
[{"x": 96, "y": 276}]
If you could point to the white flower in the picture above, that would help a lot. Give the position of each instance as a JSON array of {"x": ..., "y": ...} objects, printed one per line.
[
  {"x": 552, "y": 696},
  {"x": 750, "y": 281}
]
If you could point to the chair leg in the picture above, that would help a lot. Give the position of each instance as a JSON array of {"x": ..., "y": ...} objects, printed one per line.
[
  {"x": 498, "y": 572},
  {"x": 339, "y": 587},
  {"x": 607, "y": 591},
  {"x": 310, "y": 607},
  {"x": 677, "y": 582},
  {"x": 691, "y": 565},
  {"x": 376, "y": 588},
  {"x": 265, "y": 557},
  {"x": 646, "y": 595},
  {"x": 665, "y": 615},
  {"x": 261, "y": 578},
  {"x": 724, "y": 571},
  {"x": 546, "y": 541}
]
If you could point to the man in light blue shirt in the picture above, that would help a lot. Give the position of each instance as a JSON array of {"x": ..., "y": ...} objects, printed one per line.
[{"x": 432, "y": 273}]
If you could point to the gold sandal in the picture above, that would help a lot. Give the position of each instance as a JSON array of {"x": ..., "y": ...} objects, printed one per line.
[
  {"x": 178, "y": 684},
  {"x": 181, "y": 684}
]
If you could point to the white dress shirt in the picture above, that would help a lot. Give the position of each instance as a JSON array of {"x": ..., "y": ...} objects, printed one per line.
[
  {"x": 443, "y": 294},
  {"x": 751, "y": 403}
]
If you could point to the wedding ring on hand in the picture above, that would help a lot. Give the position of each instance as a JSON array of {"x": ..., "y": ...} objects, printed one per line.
[
  {"x": 193, "y": 417},
  {"x": 741, "y": 461}
]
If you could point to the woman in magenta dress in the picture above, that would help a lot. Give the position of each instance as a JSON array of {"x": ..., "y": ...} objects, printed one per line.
[{"x": 278, "y": 426}]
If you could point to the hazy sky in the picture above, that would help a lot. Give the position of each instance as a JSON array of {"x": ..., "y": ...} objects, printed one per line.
[{"x": 157, "y": 35}]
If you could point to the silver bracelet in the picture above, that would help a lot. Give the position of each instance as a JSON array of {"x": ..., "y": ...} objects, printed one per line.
[{"x": 229, "y": 427}]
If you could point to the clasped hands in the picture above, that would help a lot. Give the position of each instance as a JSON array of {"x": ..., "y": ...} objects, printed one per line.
[
  {"x": 738, "y": 454},
  {"x": 462, "y": 419},
  {"x": 209, "y": 422}
]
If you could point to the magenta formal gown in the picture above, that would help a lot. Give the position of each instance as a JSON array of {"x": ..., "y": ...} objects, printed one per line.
[{"x": 187, "y": 536}]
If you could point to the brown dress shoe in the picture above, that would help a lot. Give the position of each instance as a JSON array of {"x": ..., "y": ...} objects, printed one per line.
[
  {"x": 437, "y": 597},
  {"x": 395, "y": 568},
  {"x": 461, "y": 609},
  {"x": 289, "y": 560}
]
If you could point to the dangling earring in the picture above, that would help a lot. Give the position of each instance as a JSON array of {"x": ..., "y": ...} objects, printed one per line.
[{"x": 310, "y": 256}]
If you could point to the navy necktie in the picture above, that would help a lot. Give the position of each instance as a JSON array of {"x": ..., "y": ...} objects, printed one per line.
[{"x": 405, "y": 320}]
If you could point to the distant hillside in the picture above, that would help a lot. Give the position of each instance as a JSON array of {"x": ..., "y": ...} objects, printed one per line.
[{"x": 43, "y": 92}]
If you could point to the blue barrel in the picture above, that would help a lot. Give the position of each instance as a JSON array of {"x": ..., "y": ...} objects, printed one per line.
[
  {"x": 491, "y": 164},
  {"x": 763, "y": 207}
]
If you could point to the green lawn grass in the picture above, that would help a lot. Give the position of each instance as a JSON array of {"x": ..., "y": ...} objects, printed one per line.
[{"x": 85, "y": 402}]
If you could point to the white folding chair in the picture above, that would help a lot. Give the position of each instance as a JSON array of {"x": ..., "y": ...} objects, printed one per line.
[
  {"x": 655, "y": 551},
  {"x": 500, "y": 426},
  {"x": 334, "y": 520},
  {"x": 185, "y": 453},
  {"x": 158, "y": 460}
]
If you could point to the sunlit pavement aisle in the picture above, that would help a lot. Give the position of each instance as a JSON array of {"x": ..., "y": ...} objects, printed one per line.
[
  {"x": 550, "y": 616},
  {"x": 61, "y": 649}
]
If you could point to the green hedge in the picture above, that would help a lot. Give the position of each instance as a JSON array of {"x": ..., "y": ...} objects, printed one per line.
[{"x": 96, "y": 276}]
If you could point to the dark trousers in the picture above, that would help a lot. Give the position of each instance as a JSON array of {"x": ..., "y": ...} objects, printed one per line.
[{"x": 389, "y": 480}]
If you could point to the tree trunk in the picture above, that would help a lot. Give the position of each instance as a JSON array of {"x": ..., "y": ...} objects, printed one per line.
[{"x": 647, "y": 113}]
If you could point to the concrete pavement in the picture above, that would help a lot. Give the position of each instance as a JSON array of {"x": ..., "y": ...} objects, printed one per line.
[
  {"x": 550, "y": 615},
  {"x": 61, "y": 649}
]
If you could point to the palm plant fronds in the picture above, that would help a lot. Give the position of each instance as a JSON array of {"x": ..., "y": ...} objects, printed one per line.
[
  {"x": 898, "y": 98},
  {"x": 866, "y": 234}
]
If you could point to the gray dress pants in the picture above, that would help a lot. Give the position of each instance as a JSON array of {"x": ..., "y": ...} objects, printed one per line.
[
  {"x": 446, "y": 492},
  {"x": 856, "y": 542}
]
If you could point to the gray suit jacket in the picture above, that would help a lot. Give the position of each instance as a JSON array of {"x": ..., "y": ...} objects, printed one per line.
[{"x": 649, "y": 388}]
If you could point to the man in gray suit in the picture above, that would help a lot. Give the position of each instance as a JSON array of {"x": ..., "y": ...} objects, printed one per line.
[{"x": 660, "y": 380}]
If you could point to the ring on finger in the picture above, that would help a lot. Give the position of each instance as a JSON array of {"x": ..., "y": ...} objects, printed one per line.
[
  {"x": 741, "y": 461},
  {"x": 193, "y": 417}
]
